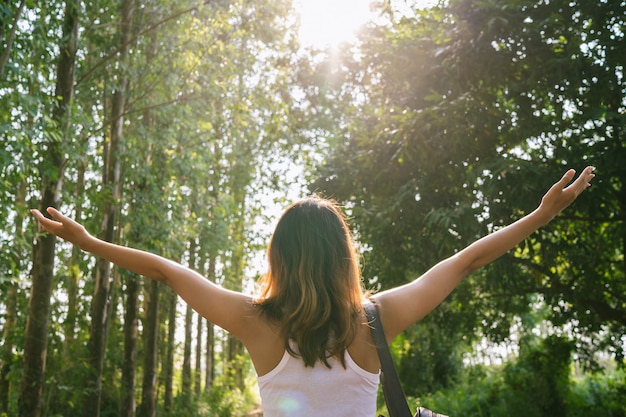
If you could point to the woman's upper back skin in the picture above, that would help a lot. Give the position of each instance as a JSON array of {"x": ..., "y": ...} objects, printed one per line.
[{"x": 266, "y": 347}]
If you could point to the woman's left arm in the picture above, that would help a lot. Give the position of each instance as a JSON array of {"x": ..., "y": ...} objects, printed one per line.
[{"x": 402, "y": 306}]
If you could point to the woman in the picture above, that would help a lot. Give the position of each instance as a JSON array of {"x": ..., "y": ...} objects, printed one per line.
[{"x": 306, "y": 334}]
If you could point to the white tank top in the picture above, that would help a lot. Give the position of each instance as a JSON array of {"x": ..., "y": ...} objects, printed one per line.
[{"x": 293, "y": 390}]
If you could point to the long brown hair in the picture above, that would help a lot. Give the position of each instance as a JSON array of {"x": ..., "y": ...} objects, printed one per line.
[{"x": 313, "y": 288}]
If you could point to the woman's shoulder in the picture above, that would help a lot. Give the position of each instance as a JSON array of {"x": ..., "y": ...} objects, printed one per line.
[
  {"x": 263, "y": 341},
  {"x": 363, "y": 350}
]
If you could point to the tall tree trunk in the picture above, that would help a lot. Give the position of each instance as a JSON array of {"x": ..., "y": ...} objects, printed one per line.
[
  {"x": 171, "y": 347},
  {"x": 129, "y": 365},
  {"x": 198, "y": 368},
  {"x": 197, "y": 380},
  {"x": 69, "y": 325},
  {"x": 210, "y": 342},
  {"x": 112, "y": 180},
  {"x": 8, "y": 333},
  {"x": 240, "y": 179},
  {"x": 36, "y": 333},
  {"x": 150, "y": 184},
  {"x": 151, "y": 339},
  {"x": 210, "y": 357},
  {"x": 186, "y": 383}
]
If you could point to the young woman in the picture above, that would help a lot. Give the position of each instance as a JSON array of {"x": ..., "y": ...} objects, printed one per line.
[{"x": 307, "y": 334}]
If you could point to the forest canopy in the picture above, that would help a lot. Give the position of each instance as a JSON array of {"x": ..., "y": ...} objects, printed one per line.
[{"x": 180, "y": 127}]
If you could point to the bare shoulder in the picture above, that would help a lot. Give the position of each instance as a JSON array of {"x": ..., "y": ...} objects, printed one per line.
[
  {"x": 262, "y": 340},
  {"x": 363, "y": 350}
]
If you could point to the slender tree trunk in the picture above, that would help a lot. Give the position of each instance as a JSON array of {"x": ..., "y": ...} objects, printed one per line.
[
  {"x": 199, "y": 327},
  {"x": 69, "y": 325},
  {"x": 235, "y": 282},
  {"x": 129, "y": 365},
  {"x": 112, "y": 180},
  {"x": 186, "y": 383},
  {"x": 103, "y": 288},
  {"x": 36, "y": 333},
  {"x": 197, "y": 380},
  {"x": 171, "y": 347},
  {"x": 210, "y": 357},
  {"x": 151, "y": 339},
  {"x": 8, "y": 333},
  {"x": 210, "y": 342}
]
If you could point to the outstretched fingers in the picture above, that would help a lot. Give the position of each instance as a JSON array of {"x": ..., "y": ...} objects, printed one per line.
[
  {"x": 61, "y": 225},
  {"x": 561, "y": 195},
  {"x": 49, "y": 225},
  {"x": 583, "y": 181}
]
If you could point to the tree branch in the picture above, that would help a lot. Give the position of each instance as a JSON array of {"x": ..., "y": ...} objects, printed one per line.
[
  {"x": 137, "y": 36},
  {"x": 5, "y": 55},
  {"x": 603, "y": 310}
]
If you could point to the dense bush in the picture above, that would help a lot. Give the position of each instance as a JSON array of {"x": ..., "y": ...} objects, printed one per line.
[{"x": 540, "y": 382}]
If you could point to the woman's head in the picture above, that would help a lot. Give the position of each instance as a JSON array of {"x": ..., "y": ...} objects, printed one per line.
[{"x": 313, "y": 286}]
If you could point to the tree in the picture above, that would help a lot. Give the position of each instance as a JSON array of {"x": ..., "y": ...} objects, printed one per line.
[
  {"x": 36, "y": 333},
  {"x": 459, "y": 113},
  {"x": 168, "y": 367},
  {"x": 148, "y": 392},
  {"x": 165, "y": 95},
  {"x": 101, "y": 307},
  {"x": 129, "y": 368}
]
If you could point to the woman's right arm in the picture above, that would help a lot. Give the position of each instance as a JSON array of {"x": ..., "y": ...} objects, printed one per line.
[{"x": 227, "y": 309}]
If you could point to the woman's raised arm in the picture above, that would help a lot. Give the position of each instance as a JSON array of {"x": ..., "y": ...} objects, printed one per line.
[
  {"x": 402, "y": 306},
  {"x": 228, "y": 309}
]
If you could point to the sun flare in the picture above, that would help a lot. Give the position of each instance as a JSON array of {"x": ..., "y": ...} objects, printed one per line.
[{"x": 327, "y": 23}]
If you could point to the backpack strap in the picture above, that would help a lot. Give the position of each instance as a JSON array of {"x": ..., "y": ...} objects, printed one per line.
[{"x": 394, "y": 395}]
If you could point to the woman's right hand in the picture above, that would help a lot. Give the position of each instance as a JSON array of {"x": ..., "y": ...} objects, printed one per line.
[{"x": 63, "y": 227}]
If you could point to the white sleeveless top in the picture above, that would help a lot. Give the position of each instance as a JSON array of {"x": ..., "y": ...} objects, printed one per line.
[{"x": 293, "y": 390}]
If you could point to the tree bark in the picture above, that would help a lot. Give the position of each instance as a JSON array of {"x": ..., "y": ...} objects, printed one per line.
[
  {"x": 186, "y": 385},
  {"x": 36, "y": 333},
  {"x": 151, "y": 339},
  {"x": 171, "y": 347},
  {"x": 129, "y": 365},
  {"x": 112, "y": 181},
  {"x": 240, "y": 179},
  {"x": 8, "y": 334},
  {"x": 210, "y": 342},
  {"x": 198, "y": 371},
  {"x": 69, "y": 325},
  {"x": 210, "y": 357}
]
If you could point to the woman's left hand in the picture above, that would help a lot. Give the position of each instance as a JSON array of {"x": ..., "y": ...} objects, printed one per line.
[{"x": 561, "y": 195}]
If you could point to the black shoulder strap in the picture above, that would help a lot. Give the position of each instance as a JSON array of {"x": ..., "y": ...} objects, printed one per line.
[{"x": 394, "y": 395}]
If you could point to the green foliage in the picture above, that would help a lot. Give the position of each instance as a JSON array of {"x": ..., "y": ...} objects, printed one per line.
[
  {"x": 206, "y": 119},
  {"x": 223, "y": 401},
  {"x": 600, "y": 392},
  {"x": 466, "y": 114},
  {"x": 537, "y": 383},
  {"x": 442, "y": 126}
]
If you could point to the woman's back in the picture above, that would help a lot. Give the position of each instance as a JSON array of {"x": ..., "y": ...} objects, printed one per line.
[
  {"x": 290, "y": 388},
  {"x": 293, "y": 389}
]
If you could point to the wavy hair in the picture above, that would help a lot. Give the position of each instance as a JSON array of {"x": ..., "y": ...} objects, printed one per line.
[{"x": 313, "y": 288}]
